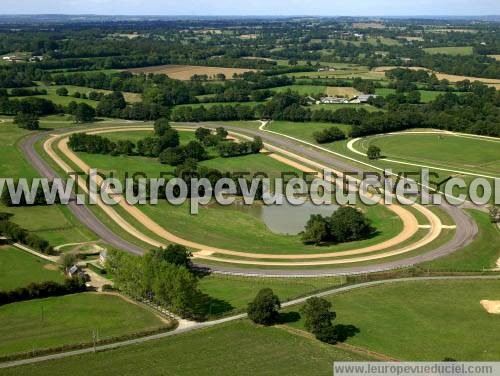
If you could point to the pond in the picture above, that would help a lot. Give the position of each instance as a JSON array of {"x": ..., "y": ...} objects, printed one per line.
[{"x": 285, "y": 219}]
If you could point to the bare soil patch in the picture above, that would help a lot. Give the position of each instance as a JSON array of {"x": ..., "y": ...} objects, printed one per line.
[
  {"x": 348, "y": 92},
  {"x": 185, "y": 72},
  {"x": 491, "y": 306}
]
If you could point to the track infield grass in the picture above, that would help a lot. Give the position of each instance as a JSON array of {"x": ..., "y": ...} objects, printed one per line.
[{"x": 476, "y": 155}]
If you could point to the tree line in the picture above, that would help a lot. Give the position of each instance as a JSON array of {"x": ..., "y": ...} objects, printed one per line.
[
  {"x": 156, "y": 277},
  {"x": 17, "y": 234}
]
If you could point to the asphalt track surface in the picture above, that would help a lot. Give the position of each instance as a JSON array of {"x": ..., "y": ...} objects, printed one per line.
[{"x": 465, "y": 232}]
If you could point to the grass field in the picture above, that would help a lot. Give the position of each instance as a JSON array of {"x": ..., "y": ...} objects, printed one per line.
[
  {"x": 422, "y": 320},
  {"x": 302, "y": 89},
  {"x": 426, "y": 96},
  {"x": 211, "y": 104},
  {"x": 238, "y": 348},
  {"x": 479, "y": 255},
  {"x": 465, "y": 50},
  {"x": 343, "y": 71},
  {"x": 185, "y": 72},
  {"x": 304, "y": 131},
  {"x": 19, "y": 269},
  {"x": 64, "y": 101},
  {"x": 239, "y": 291},
  {"x": 52, "y": 322},
  {"x": 476, "y": 155}
]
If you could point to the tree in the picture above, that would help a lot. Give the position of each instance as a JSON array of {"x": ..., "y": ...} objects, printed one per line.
[
  {"x": 317, "y": 314},
  {"x": 202, "y": 133},
  {"x": 329, "y": 135},
  {"x": 173, "y": 156},
  {"x": 221, "y": 132},
  {"x": 62, "y": 91},
  {"x": 348, "y": 224},
  {"x": 174, "y": 254},
  {"x": 256, "y": 145},
  {"x": 161, "y": 125},
  {"x": 318, "y": 319},
  {"x": 67, "y": 260},
  {"x": 27, "y": 121},
  {"x": 84, "y": 113},
  {"x": 316, "y": 231},
  {"x": 124, "y": 147},
  {"x": 195, "y": 150},
  {"x": 264, "y": 308},
  {"x": 373, "y": 152},
  {"x": 169, "y": 139}
]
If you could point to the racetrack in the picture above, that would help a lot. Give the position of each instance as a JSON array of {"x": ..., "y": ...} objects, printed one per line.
[
  {"x": 410, "y": 224},
  {"x": 465, "y": 231}
]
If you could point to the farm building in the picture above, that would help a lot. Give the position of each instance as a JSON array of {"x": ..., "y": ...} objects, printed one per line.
[
  {"x": 362, "y": 98},
  {"x": 332, "y": 100}
]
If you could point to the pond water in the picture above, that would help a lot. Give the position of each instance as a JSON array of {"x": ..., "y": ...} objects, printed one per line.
[{"x": 285, "y": 219}]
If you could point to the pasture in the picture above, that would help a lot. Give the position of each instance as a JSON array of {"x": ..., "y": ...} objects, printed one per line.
[
  {"x": 19, "y": 269},
  {"x": 258, "y": 350},
  {"x": 185, "y": 72},
  {"x": 302, "y": 89},
  {"x": 68, "y": 320},
  {"x": 238, "y": 291},
  {"x": 465, "y": 50},
  {"x": 422, "y": 320},
  {"x": 426, "y": 96}
]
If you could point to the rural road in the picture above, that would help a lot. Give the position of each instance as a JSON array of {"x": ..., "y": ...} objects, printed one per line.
[
  {"x": 466, "y": 227},
  {"x": 207, "y": 324}
]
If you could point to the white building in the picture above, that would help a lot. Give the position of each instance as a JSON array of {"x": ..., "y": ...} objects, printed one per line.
[{"x": 332, "y": 100}]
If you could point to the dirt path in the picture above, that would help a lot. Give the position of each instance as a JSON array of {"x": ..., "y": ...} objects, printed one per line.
[
  {"x": 340, "y": 345},
  {"x": 409, "y": 221}
]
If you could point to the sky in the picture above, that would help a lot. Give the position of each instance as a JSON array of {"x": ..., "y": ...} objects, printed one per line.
[{"x": 255, "y": 7}]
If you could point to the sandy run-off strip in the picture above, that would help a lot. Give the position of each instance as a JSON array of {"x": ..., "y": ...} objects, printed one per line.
[
  {"x": 350, "y": 146},
  {"x": 409, "y": 221},
  {"x": 491, "y": 306}
]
